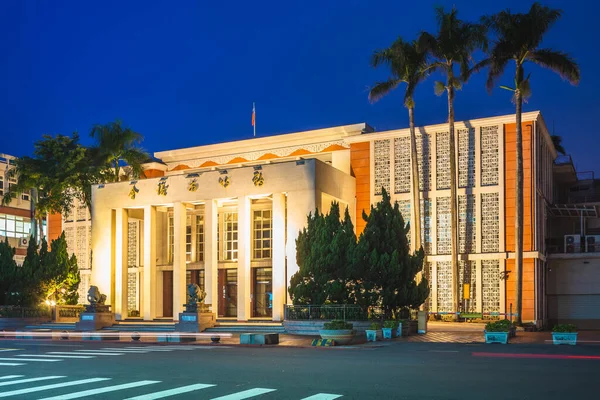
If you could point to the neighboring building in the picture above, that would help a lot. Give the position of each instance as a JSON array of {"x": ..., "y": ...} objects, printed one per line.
[
  {"x": 15, "y": 219},
  {"x": 226, "y": 216}
]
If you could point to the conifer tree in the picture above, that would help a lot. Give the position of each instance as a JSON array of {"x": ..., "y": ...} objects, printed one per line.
[{"x": 8, "y": 270}]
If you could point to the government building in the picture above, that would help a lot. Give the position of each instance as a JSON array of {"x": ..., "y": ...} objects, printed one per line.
[{"x": 226, "y": 216}]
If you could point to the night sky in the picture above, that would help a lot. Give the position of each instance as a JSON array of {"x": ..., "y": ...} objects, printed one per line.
[{"x": 185, "y": 73}]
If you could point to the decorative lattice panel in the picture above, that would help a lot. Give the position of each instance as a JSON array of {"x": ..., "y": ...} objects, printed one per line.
[
  {"x": 442, "y": 154},
  {"x": 467, "y": 228},
  {"x": 382, "y": 166},
  {"x": 132, "y": 291},
  {"x": 444, "y": 238},
  {"x": 70, "y": 239},
  {"x": 490, "y": 226},
  {"x": 428, "y": 266},
  {"x": 466, "y": 157},
  {"x": 444, "y": 286},
  {"x": 489, "y": 155},
  {"x": 404, "y": 206},
  {"x": 402, "y": 165},
  {"x": 82, "y": 248},
  {"x": 426, "y": 225},
  {"x": 467, "y": 273},
  {"x": 490, "y": 285},
  {"x": 90, "y": 246},
  {"x": 424, "y": 161},
  {"x": 132, "y": 244},
  {"x": 84, "y": 287},
  {"x": 82, "y": 213}
]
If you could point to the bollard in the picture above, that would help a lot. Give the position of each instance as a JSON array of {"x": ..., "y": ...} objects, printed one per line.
[
  {"x": 215, "y": 339},
  {"x": 64, "y": 335},
  {"x": 135, "y": 336}
]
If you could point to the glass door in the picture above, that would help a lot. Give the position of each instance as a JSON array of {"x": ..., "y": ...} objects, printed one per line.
[
  {"x": 228, "y": 293},
  {"x": 262, "y": 296}
]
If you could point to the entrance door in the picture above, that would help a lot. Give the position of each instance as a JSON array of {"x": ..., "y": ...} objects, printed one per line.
[
  {"x": 228, "y": 292},
  {"x": 262, "y": 292},
  {"x": 167, "y": 294}
]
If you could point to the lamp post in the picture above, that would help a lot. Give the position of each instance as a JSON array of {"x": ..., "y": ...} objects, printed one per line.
[{"x": 52, "y": 305}]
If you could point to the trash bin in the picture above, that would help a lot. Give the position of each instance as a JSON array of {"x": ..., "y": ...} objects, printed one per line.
[{"x": 422, "y": 322}]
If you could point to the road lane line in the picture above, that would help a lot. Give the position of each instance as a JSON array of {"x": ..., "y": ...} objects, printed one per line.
[
  {"x": 171, "y": 392},
  {"x": 10, "y": 364},
  {"x": 107, "y": 351},
  {"x": 11, "y": 377},
  {"x": 323, "y": 396},
  {"x": 50, "y": 387},
  {"x": 89, "y": 353},
  {"x": 52, "y": 356},
  {"x": 121, "y": 349},
  {"x": 27, "y": 359},
  {"x": 246, "y": 394},
  {"x": 107, "y": 389},
  {"x": 1, "y": 350},
  {"x": 18, "y": 381}
]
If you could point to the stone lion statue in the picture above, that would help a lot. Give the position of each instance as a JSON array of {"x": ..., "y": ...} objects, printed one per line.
[
  {"x": 96, "y": 299},
  {"x": 195, "y": 296}
]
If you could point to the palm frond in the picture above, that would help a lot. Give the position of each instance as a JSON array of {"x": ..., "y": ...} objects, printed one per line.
[
  {"x": 382, "y": 88},
  {"x": 557, "y": 142},
  {"x": 559, "y": 62},
  {"x": 439, "y": 88}
]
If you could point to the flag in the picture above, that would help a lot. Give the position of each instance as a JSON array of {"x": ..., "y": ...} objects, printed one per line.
[{"x": 253, "y": 114}]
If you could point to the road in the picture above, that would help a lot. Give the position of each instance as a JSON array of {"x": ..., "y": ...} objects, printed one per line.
[{"x": 109, "y": 370}]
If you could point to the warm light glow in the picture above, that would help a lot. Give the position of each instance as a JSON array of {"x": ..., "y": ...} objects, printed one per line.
[
  {"x": 52, "y": 303},
  {"x": 47, "y": 302}
]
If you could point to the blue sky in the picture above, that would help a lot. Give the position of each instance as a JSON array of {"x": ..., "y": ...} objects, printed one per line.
[{"x": 185, "y": 73}]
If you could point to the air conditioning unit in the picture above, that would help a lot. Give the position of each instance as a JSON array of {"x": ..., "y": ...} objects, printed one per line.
[
  {"x": 23, "y": 242},
  {"x": 592, "y": 243},
  {"x": 572, "y": 244}
]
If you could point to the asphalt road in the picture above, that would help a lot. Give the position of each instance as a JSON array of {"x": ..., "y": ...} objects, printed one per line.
[{"x": 60, "y": 370}]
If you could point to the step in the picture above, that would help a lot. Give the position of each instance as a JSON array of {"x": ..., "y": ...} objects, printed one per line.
[
  {"x": 245, "y": 329},
  {"x": 53, "y": 327}
]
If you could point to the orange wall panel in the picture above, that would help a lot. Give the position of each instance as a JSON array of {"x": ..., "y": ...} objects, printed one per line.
[
  {"x": 360, "y": 164},
  {"x": 528, "y": 287},
  {"x": 54, "y": 223},
  {"x": 156, "y": 173}
]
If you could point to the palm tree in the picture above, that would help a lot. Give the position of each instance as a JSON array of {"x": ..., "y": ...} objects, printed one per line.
[
  {"x": 557, "y": 142},
  {"x": 452, "y": 45},
  {"x": 117, "y": 145},
  {"x": 407, "y": 65},
  {"x": 519, "y": 37}
]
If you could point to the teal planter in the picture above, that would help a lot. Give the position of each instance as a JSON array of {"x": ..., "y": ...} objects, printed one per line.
[
  {"x": 399, "y": 330},
  {"x": 387, "y": 333},
  {"x": 496, "y": 337},
  {"x": 564, "y": 338},
  {"x": 371, "y": 335}
]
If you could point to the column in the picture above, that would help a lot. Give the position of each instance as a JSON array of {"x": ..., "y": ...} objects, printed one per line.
[
  {"x": 211, "y": 265},
  {"x": 279, "y": 281},
  {"x": 149, "y": 303},
  {"x": 102, "y": 250},
  {"x": 121, "y": 225},
  {"x": 244, "y": 240},
  {"x": 179, "y": 264},
  {"x": 479, "y": 286}
]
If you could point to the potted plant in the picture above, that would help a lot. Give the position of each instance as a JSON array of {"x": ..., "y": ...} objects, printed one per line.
[
  {"x": 529, "y": 327},
  {"x": 564, "y": 334},
  {"x": 389, "y": 329},
  {"x": 339, "y": 331},
  {"x": 372, "y": 332},
  {"x": 497, "y": 331}
]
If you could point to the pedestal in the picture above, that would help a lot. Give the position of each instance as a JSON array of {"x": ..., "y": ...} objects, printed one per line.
[
  {"x": 195, "y": 322},
  {"x": 89, "y": 321}
]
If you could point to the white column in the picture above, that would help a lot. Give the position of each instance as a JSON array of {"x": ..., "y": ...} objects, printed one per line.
[
  {"x": 244, "y": 277},
  {"x": 121, "y": 264},
  {"x": 479, "y": 288},
  {"x": 102, "y": 250},
  {"x": 149, "y": 303},
  {"x": 211, "y": 264},
  {"x": 179, "y": 264},
  {"x": 279, "y": 283}
]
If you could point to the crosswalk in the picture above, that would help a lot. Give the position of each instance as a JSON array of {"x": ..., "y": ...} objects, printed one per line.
[
  {"x": 55, "y": 387},
  {"x": 14, "y": 358}
]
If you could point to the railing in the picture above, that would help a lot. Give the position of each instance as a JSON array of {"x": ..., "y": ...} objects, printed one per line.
[
  {"x": 325, "y": 312},
  {"x": 66, "y": 313},
  {"x": 25, "y": 312},
  {"x": 562, "y": 160}
]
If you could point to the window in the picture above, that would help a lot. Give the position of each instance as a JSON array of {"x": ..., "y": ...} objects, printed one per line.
[
  {"x": 1, "y": 186},
  {"x": 188, "y": 239},
  {"x": 14, "y": 226},
  {"x": 25, "y": 196},
  {"x": 262, "y": 234},
  {"x": 199, "y": 238},
  {"x": 170, "y": 239},
  {"x": 230, "y": 236}
]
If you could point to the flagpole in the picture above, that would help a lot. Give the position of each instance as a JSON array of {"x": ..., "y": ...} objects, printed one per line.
[{"x": 254, "y": 117}]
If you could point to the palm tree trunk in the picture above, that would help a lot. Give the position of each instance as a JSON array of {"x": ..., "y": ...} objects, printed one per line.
[
  {"x": 519, "y": 210},
  {"x": 116, "y": 169},
  {"x": 453, "y": 209},
  {"x": 415, "y": 179}
]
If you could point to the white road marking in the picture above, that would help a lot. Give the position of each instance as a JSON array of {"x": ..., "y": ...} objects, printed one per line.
[
  {"x": 52, "y": 356},
  {"x": 1, "y": 350},
  {"x": 27, "y": 359},
  {"x": 323, "y": 396},
  {"x": 92, "y": 392},
  {"x": 43, "y": 378},
  {"x": 10, "y": 364},
  {"x": 89, "y": 353},
  {"x": 11, "y": 377},
  {"x": 50, "y": 387},
  {"x": 170, "y": 392},
  {"x": 122, "y": 349},
  {"x": 246, "y": 394},
  {"x": 108, "y": 351}
]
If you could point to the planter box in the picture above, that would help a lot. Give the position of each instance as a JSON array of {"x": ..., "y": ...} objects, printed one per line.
[
  {"x": 387, "y": 332},
  {"x": 339, "y": 336},
  {"x": 371, "y": 335},
  {"x": 564, "y": 338},
  {"x": 398, "y": 331},
  {"x": 496, "y": 337}
]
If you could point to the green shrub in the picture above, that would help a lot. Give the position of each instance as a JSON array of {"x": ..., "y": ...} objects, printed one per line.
[
  {"x": 337, "y": 324},
  {"x": 502, "y": 325},
  {"x": 390, "y": 324},
  {"x": 375, "y": 326},
  {"x": 564, "y": 328}
]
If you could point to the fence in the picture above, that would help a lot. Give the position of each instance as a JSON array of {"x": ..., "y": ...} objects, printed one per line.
[
  {"x": 25, "y": 312},
  {"x": 66, "y": 313},
  {"x": 326, "y": 312}
]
